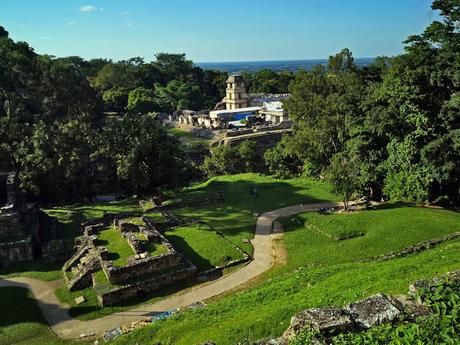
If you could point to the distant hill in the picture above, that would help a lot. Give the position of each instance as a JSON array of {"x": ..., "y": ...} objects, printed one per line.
[{"x": 277, "y": 66}]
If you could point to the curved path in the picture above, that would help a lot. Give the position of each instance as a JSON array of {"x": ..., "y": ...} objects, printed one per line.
[{"x": 56, "y": 314}]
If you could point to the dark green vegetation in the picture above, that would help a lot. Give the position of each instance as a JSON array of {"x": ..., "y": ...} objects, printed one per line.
[
  {"x": 440, "y": 328},
  {"x": 391, "y": 129},
  {"x": 97, "y": 133},
  {"x": 321, "y": 271},
  {"x": 227, "y": 160},
  {"x": 62, "y": 146},
  {"x": 267, "y": 81},
  {"x": 21, "y": 321}
]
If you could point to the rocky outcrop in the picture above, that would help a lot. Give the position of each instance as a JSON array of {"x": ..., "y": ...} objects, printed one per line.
[
  {"x": 324, "y": 320},
  {"x": 361, "y": 315},
  {"x": 328, "y": 321},
  {"x": 373, "y": 311}
]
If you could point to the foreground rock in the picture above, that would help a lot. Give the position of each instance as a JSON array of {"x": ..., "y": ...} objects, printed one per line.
[
  {"x": 373, "y": 311},
  {"x": 360, "y": 315},
  {"x": 324, "y": 320}
]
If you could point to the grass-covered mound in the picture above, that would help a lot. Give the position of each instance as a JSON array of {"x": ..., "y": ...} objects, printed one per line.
[
  {"x": 310, "y": 238},
  {"x": 321, "y": 271},
  {"x": 21, "y": 321},
  {"x": 118, "y": 248}
]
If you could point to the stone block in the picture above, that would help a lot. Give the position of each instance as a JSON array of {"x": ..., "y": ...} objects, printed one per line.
[
  {"x": 324, "y": 320},
  {"x": 372, "y": 311},
  {"x": 79, "y": 300}
]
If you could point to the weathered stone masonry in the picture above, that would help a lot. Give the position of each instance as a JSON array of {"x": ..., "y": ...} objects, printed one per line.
[{"x": 142, "y": 274}]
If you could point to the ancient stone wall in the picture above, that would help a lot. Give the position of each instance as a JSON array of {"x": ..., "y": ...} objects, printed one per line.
[
  {"x": 10, "y": 227},
  {"x": 17, "y": 251},
  {"x": 141, "y": 267},
  {"x": 146, "y": 286}
]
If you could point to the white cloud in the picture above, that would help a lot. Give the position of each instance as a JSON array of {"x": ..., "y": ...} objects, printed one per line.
[
  {"x": 129, "y": 24},
  {"x": 125, "y": 13},
  {"x": 71, "y": 23},
  {"x": 88, "y": 8}
]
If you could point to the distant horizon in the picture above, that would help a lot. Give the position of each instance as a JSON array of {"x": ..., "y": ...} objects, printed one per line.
[
  {"x": 281, "y": 60},
  {"x": 274, "y": 65}
]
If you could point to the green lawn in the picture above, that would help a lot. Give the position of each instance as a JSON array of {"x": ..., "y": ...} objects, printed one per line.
[
  {"x": 389, "y": 227},
  {"x": 189, "y": 141},
  {"x": 117, "y": 246},
  {"x": 321, "y": 271},
  {"x": 203, "y": 247},
  {"x": 235, "y": 217},
  {"x": 21, "y": 321},
  {"x": 156, "y": 217}
]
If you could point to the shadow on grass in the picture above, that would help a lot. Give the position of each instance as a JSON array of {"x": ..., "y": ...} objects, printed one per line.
[
  {"x": 30, "y": 266},
  {"x": 183, "y": 247},
  {"x": 19, "y": 306}
]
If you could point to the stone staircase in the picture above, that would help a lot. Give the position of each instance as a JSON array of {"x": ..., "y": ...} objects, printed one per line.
[{"x": 80, "y": 266}]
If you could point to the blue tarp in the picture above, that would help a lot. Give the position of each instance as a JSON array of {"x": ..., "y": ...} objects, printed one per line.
[{"x": 240, "y": 117}]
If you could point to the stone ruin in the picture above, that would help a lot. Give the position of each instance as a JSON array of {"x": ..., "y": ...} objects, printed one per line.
[
  {"x": 361, "y": 315},
  {"x": 25, "y": 231},
  {"x": 142, "y": 274}
]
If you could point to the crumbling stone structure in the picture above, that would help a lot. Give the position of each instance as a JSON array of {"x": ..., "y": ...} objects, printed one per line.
[
  {"x": 24, "y": 228},
  {"x": 143, "y": 272}
]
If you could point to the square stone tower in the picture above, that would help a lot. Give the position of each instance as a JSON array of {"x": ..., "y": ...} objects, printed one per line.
[{"x": 236, "y": 97}]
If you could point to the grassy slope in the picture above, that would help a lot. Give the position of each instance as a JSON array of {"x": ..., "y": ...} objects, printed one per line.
[
  {"x": 387, "y": 228},
  {"x": 203, "y": 247},
  {"x": 199, "y": 243},
  {"x": 21, "y": 321},
  {"x": 235, "y": 217},
  {"x": 330, "y": 276}
]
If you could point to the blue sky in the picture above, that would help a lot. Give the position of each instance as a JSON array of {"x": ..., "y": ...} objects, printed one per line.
[{"x": 215, "y": 30}]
